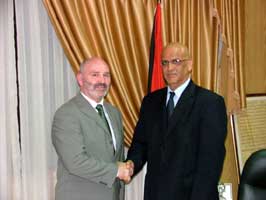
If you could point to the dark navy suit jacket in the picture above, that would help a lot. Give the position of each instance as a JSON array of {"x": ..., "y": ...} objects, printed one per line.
[{"x": 185, "y": 155}]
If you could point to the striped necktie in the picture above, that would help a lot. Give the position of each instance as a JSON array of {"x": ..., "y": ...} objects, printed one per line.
[{"x": 100, "y": 110}]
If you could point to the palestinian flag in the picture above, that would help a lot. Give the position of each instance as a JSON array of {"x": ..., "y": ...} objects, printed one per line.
[{"x": 155, "y": 79}]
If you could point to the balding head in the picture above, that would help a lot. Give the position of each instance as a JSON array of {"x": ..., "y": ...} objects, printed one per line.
[
  {"x": 92, "y": 61},
  {"x": 177, "y": 49}
]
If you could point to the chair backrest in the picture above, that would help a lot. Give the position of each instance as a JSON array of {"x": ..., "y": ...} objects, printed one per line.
[{"x": 253, "y": 179}]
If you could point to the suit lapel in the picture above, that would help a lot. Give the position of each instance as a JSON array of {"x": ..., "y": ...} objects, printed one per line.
[
  {"x": 158, "y": 114},
  {"x": 86, "y": 108},
  {"x": 182, "y": 108},
  {"x": 113, "y": 124},
  {"x": 163, "y": 114}
]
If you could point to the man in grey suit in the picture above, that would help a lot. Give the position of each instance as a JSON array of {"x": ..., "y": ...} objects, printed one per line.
[{"x": 87, "y": 134}]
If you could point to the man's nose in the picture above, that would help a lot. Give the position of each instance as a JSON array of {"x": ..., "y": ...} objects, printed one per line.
[
  {"x": 170, "y": 66},
  {"x": 102, "y": 78}
]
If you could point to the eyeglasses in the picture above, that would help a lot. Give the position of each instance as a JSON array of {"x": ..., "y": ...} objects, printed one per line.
[{"x": 173, "y": 62}]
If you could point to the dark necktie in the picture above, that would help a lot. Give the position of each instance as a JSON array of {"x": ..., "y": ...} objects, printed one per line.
[
  {"x": 99, "y": 108},
  {"x": 170, "y": 105}
]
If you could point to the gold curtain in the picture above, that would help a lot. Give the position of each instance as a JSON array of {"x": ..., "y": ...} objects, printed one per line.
[
  {"x": 230, "y": 80},
  {"x": 120, "y": 32}
]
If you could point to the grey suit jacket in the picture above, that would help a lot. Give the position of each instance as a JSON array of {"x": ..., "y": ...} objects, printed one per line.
[{"x": 86, "y": 161}]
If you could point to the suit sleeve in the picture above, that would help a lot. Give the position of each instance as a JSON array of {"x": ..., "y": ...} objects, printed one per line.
[
  {"x": 138, "y": 149},
  {"x": 211, "y": 152},
  {"x": 68, "y": 141}
]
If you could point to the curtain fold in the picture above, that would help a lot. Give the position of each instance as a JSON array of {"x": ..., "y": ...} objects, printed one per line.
[
  {"x": 230, "y": 22},
  {"x": 10, "y": 177}
]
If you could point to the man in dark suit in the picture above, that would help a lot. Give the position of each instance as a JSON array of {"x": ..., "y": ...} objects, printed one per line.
[
  {"x": 87, "y": 134},
  {"x": 180, "y": 134}
]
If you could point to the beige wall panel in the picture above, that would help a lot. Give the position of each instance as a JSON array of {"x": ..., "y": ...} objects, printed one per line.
[
  {"x": 251, "y": 128},
  {"x": 255, "y": 49}
]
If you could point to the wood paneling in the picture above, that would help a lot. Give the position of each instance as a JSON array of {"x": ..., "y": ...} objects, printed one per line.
[{"x": 255, "y": 46}]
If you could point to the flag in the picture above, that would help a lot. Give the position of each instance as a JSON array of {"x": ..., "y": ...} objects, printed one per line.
[{"x": 155, "y": 78}]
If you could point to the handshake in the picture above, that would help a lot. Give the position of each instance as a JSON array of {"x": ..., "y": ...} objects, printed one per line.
[{"x": 125, "y": 170}]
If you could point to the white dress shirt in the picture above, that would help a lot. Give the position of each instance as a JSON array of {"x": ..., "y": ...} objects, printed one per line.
[{"x": 178, "y": 91}]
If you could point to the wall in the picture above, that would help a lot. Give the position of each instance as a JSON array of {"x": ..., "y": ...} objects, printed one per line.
[{"x": 255, "y": 46}]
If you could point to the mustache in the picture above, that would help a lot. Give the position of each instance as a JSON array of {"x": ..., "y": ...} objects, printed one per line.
[
  {"x": 100, "y": 85},
  {"x": 171, "y": 73}
]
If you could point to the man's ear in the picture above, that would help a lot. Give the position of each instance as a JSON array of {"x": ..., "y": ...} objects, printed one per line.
[
  {"x": 189, "y": 63},
  {"x": 79, "y": 79}
]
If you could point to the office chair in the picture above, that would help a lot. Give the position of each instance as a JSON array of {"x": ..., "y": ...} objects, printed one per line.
[{"x": 253, "y": 179}]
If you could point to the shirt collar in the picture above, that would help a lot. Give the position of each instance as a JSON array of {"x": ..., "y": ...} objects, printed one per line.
[
  {"x": 92, "y": 102},
  {"x": 178, "y": 91}
]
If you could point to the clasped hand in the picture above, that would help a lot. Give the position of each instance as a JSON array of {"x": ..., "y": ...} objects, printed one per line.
[{"x": 125, "y": 170}]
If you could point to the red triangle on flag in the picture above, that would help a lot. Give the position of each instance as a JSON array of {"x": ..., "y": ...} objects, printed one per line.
[{"x": 156, "y": 80}]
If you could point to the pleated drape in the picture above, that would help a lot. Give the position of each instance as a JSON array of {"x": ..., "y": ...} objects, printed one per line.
[{"x": 120, "y": 32}]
